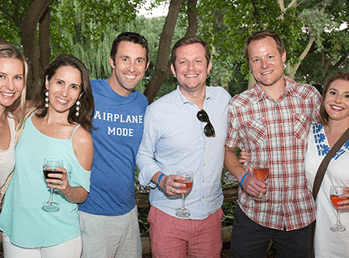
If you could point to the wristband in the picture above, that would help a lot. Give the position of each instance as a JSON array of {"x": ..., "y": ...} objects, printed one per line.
[
  {"x": 159, "y": 179},
  {"x": 243, "y": 178}
]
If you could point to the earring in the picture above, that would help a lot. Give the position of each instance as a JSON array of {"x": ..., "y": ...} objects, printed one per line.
[
  {"x": 46, "y": 99},
  {"x": 284, "y": 66},
  {"x": 77, "y": 108}
]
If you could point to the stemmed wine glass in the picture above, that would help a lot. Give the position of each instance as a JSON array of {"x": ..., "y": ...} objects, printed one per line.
[
  {"x": 184, "y": 212},
  {"x": 335, "y": 192},
  {"x": 50, "y": 166},
  {"x": 260, "y": 169}
]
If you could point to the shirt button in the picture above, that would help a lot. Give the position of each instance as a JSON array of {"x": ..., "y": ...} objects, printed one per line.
[
  {"x": 203, "y": 197},
  {"x": 204, "y": 164},
  {"x": 203, "y": 181}
]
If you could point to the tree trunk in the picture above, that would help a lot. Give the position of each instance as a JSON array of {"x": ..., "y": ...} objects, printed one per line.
[
  {"x": 2, "y": 40},
  {"x": 192, "y": 21},
  {"x": 162, "y": 69},
  {"x": 31, "y": 18},
  {"x": 44, "y": 41}
]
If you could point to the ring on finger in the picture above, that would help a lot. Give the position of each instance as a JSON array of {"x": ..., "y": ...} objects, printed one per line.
[{"x": 61, "y": 183}]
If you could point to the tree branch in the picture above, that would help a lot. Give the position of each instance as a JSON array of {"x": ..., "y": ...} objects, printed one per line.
[
  {"x": 340, "y": 61},
  {"x": 293, "y": 4},
  {"x": 293, "y": 70},
  {"x": 282, "y": 5},
  {"x": 192, "y": 18},
  {"x": 44, "y": 44},
  {"x": 328, "y": 64},
  {"x": 323, "y": 57},
  {"x": 3, "y": 40}
]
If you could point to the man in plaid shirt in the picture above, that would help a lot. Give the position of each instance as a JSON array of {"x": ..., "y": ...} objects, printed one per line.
[{"x": 271, "y": 121}]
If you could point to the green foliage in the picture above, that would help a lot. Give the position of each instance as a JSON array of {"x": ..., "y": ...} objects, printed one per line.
[
  {"x": 326, "y": 21},
  {"x": 317, "y": 22},
  {"x": 9, "y": 23},
  {"x": 226, "y": 25},
  {"x": 228, "y": 210},
  {"x": 240, "y": 19}
]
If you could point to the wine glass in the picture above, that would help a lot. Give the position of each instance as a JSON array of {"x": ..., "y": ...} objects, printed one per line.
[
  {"x": 260, "y": 169},
  {"x": 184, "y": 212},
  {"x": 50, "y": 166},
  {"x": 335, "y": 192}
]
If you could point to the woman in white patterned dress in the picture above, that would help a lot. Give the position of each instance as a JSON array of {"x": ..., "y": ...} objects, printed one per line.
[{"x": 334, "y": 112}]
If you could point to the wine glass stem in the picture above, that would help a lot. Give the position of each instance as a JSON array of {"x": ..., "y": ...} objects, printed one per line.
[
  {"x": 51, "y": 196},
  {"x": 338, "y": 218},
  {"x": 183, "y": 198}
]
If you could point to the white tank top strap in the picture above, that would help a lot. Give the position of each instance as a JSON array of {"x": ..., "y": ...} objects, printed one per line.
[
  {"x": 74, "y": 131},
  {"x": 11, "y": 123}
]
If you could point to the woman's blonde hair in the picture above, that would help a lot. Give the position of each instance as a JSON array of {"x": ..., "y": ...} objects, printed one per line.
[{"x": 8, "y": 51}]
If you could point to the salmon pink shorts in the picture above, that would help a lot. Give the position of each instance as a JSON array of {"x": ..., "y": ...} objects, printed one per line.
[{"x": 177, "y": 238}]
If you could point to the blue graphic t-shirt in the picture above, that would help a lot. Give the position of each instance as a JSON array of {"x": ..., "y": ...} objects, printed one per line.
[{"x": 119, "y": 127}]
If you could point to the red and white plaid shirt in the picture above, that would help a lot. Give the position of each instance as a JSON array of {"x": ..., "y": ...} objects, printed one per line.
[{"x": 278, "y": 130}]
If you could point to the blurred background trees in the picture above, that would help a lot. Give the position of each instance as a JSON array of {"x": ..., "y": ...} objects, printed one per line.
[{"x": 315, "y": 34}]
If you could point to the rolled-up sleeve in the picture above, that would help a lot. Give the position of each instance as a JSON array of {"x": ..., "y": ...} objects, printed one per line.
[{"x": 145, "y": 160}]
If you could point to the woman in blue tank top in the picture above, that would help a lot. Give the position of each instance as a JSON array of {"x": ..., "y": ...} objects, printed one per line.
[{"x": 59, "y": 128}]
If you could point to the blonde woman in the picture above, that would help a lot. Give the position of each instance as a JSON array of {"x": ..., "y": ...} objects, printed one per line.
[{"x": 13, "y": 73}]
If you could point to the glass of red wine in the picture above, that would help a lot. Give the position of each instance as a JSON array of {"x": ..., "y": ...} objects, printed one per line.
[
  {"x": 49, "y": 167},
  {"x": 260, "y": 169},
  {"x": 183, "y": 212},
  {"x": 335, "y": 192}
]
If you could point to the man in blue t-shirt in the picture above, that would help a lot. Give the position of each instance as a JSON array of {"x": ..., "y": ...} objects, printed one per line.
[{"x": 109, "y": 217}]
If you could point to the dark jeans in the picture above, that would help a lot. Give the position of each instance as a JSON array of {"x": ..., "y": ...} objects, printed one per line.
[{"x": 251, "y": 240}]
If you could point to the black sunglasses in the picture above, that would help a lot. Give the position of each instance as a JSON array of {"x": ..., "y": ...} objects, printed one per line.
[{"x": 203, "y": 117}]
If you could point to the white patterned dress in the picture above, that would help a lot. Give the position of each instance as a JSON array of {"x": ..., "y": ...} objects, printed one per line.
[{"x": 328, "y": 243}]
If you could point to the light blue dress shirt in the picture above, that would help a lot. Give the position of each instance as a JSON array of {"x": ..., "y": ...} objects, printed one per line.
[{"x": 173, "y": 139}]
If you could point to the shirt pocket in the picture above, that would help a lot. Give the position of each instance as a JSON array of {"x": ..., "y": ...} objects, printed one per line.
[
  {"x": 257, "y": 133},
  {"x": 301, "y": 127}
]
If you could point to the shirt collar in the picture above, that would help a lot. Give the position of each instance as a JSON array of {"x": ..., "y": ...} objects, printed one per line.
[
  {"x": 289, "y": 88},
  {"x": 183, "y": 99}
]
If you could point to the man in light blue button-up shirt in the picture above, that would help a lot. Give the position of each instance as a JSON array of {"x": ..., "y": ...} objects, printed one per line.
[{"x": 174, "y": 139}]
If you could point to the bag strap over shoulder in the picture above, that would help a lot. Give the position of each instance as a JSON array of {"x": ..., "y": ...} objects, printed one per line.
[{"x": 324, "y": 164}]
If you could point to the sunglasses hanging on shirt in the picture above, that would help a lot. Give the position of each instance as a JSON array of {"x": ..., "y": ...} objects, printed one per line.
[{"x": 203, "y": 117}]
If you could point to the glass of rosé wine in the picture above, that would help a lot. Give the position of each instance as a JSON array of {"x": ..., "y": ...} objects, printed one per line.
[
  {"x": 183, "y": 212},
  {"x": 260, "y": 170},
  {"x": 335, "y": 192}
]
